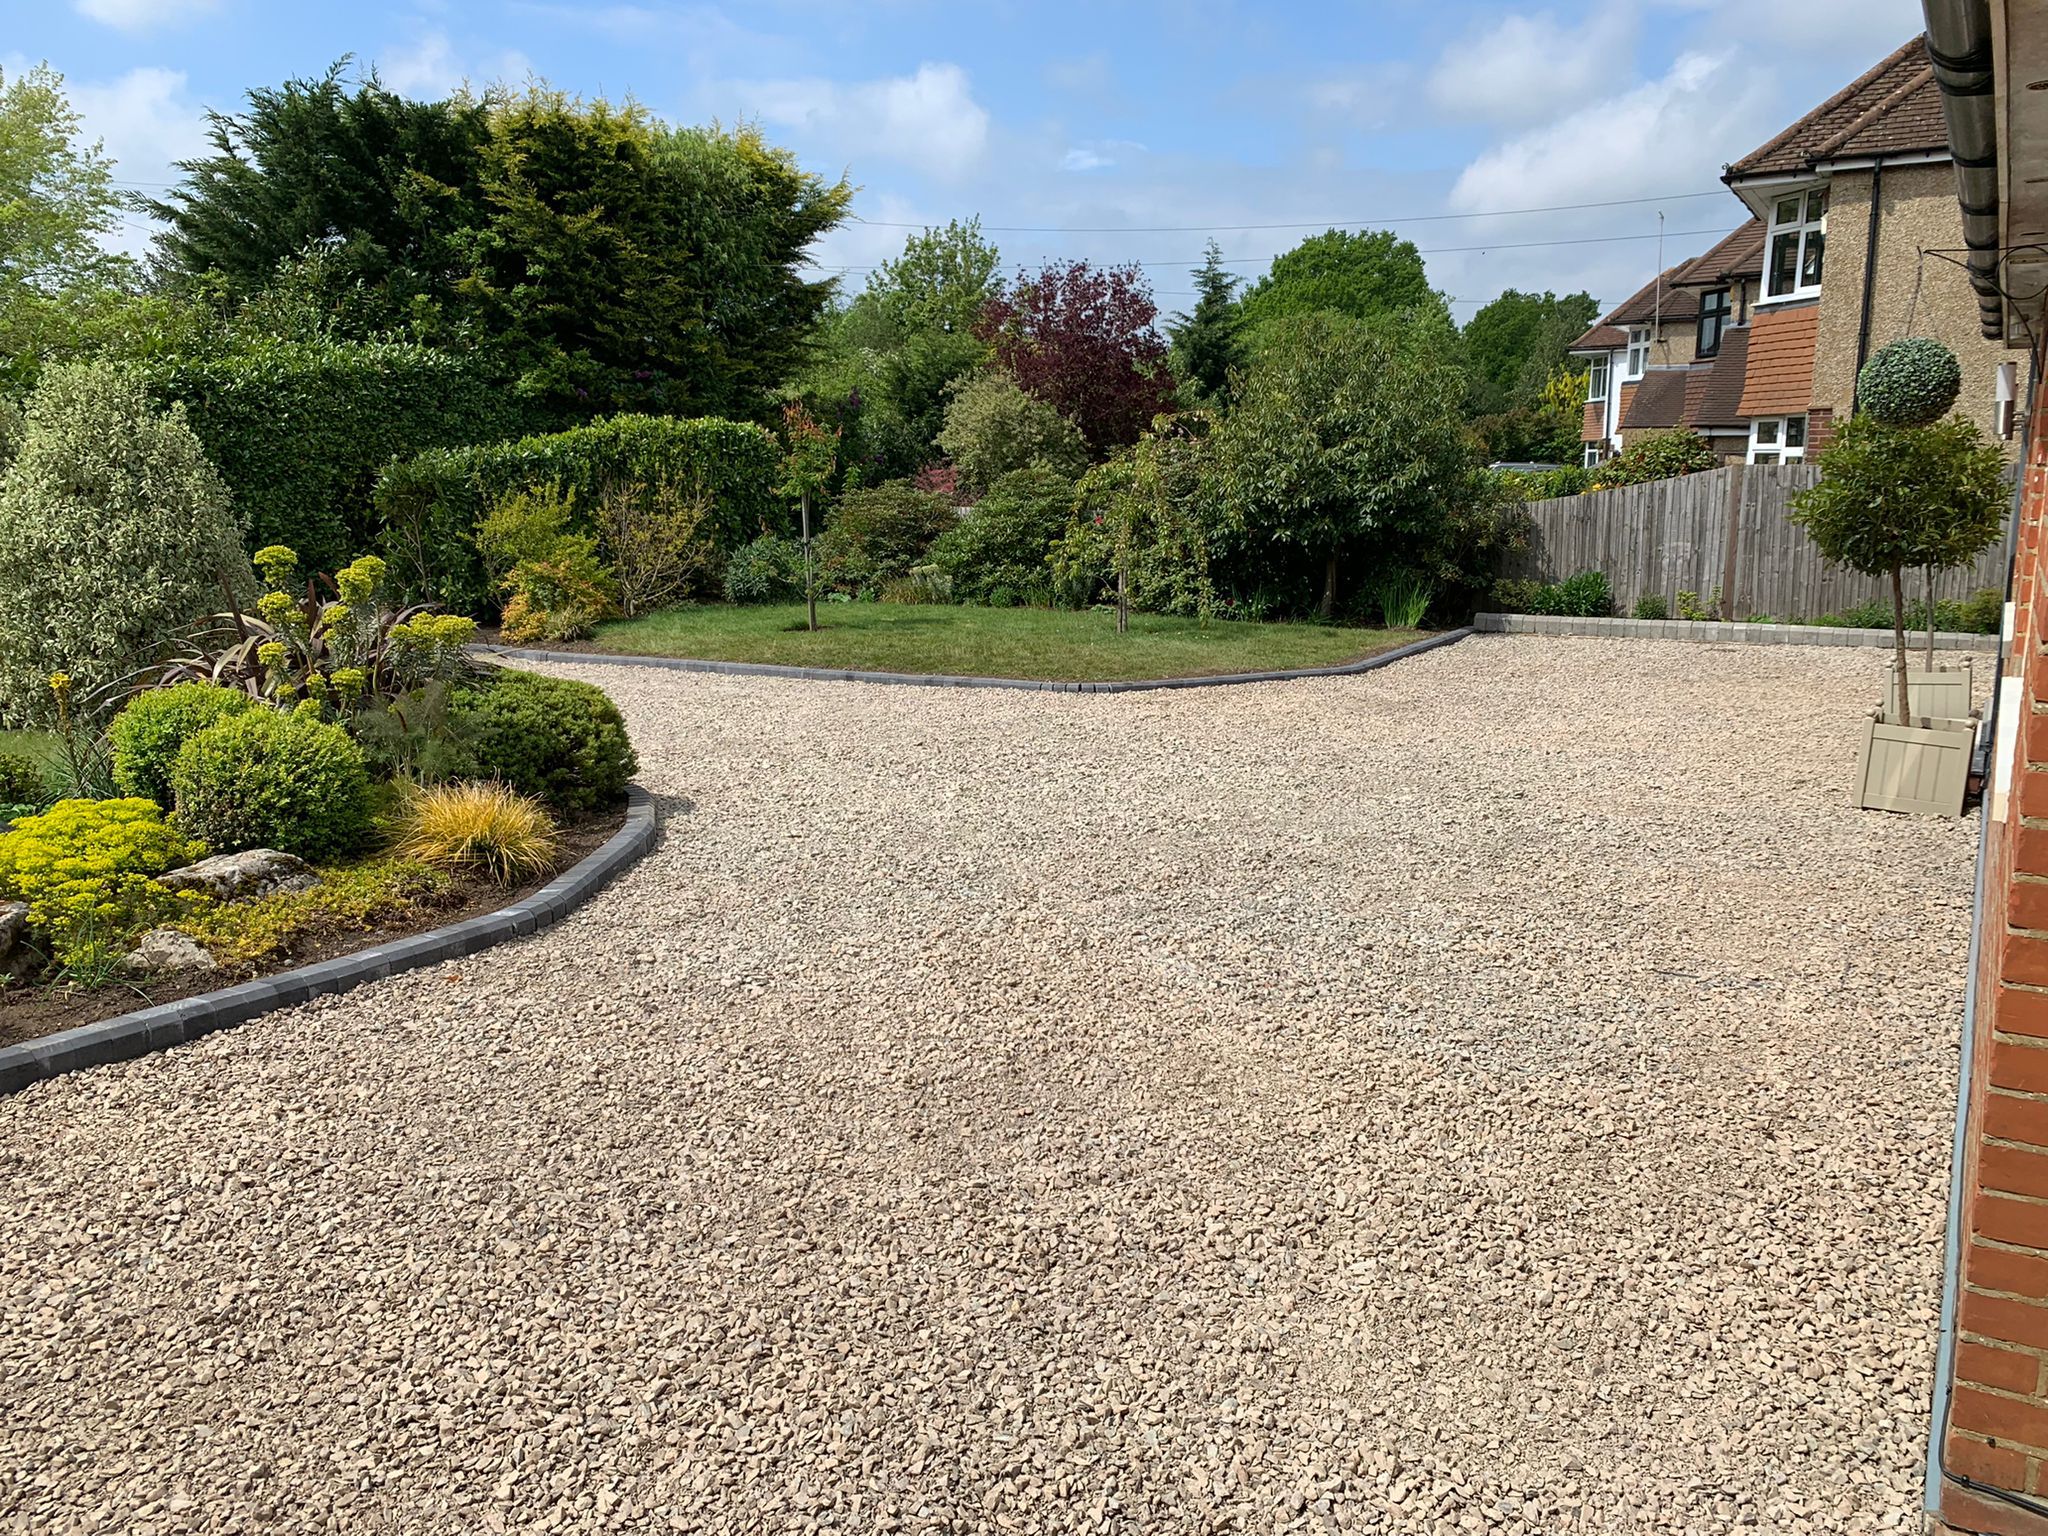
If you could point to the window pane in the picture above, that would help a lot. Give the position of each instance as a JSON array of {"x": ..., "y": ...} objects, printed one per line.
[
  {"x": 1788, "y": 211},
  {"x": 1795, "y": 432},
  {"x": 1816, "y": 206},
  {"x": 1816, "y": 246},
  {"x": 1762, "y": 457},
  {"x": 1784, "y": 264},
  {"x": 1767, "y": 432}
]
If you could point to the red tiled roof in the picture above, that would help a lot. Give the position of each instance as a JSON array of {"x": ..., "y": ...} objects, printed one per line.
[
  {"x": 1720, "y": 403},
  {"x": 1740, "y": 255},
  {"x": 1893, "y": 108},
  {"x": 1659, "y": 400},
  {"x": 1602, "y": 338},
  {"x": 1660, "y": 294}
]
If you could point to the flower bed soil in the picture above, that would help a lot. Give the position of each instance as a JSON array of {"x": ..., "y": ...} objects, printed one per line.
[{"x": 31, "y": 1012}]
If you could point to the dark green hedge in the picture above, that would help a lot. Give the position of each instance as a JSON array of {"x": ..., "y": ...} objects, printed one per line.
[
  {"x": 429, "y": 505},
  {"x": 300, "y": 430}
]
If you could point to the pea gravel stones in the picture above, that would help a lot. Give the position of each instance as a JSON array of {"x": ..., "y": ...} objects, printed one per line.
[{"x": 1479, "y": 1096}]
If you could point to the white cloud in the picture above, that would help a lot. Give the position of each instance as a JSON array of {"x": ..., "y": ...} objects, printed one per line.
[
  {"x": 429, "y": 67},
  {"x": 929, "y": 121},
  {"x": 1667, "y": 135},
  {"x": 1522, "y": 68},
  {"x": 142, "y": 15},
  {"x": 147, "y": 124},
  {"x": 1100, "y": 156}
]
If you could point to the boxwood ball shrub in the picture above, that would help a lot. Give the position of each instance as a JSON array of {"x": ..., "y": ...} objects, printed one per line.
[
  {"x": 152, "y": 729},
  {"x": 561, "y": 742},
  {"x": 1911, "y": 383},
  {"x": 114, "y": 533},
  {"x": 266, "y": 779}
]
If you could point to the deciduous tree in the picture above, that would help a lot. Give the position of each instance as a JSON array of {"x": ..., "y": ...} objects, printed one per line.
[{"x": 1082, "y": 338}]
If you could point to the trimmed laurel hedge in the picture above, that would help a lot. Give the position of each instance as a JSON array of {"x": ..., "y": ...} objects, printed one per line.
[
  {"x": 299, "y": 430},
  {"x": 430, "y": 504}
]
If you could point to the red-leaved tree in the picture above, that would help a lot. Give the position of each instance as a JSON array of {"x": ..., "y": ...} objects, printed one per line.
[{"x": 1082, "y": 339}]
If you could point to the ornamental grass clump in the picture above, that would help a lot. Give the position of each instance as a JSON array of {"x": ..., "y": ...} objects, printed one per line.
[{"x": 487, "y": 827}]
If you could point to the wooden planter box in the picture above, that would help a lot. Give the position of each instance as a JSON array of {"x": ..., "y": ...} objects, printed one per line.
[
  {"x": 1942, "y": 693},
  {"x": 1921, "y": 770}
]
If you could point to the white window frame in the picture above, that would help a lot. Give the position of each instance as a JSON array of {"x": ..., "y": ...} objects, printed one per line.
[
  {"x": 1638, "y": 362},
  {"x": 1598, "y": 369},
  {"x": 1595, "y": 455},
  {"x": 1803, "y": 227},
  {"x": 1768, "y": 437}
]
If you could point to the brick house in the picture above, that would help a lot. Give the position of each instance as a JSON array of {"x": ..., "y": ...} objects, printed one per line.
[{"x": 1785, "y": 310}]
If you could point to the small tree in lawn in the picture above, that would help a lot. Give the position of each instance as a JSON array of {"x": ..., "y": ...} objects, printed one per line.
[
  {"x": 809, "y": 455},
  {"x": 1891, "y": 497}
]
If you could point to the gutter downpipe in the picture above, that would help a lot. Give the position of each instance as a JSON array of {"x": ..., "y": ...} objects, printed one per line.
[
  {"x": 1959, "y": 46},
  {"x": 1869, "y": 281}
]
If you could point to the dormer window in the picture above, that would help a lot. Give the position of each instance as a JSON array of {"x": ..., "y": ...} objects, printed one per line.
[
  {"x": 1797, "y": 246},
  {"x": 1714, "y": 314},
  {"x": 1638, "y": 354}
]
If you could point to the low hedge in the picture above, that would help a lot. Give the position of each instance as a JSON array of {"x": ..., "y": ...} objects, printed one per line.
[
  {"x": 430, "y": 504},
  {"x": 559, "y": 741},
  {"x": 299, "y": 431}
]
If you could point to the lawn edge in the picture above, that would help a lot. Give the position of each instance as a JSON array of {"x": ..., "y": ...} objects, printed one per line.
[
  {"x": 1370, "y": 663},
  {"x": 129, "y": 1035}
]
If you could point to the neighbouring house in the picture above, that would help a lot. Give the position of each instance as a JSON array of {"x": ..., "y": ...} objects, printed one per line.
[{"x": 1856, "y": 241}]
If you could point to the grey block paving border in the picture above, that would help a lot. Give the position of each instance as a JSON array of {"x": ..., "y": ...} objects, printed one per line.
[
  {"x": 1738, "y": 634},
  {"x": 939, "y": 680},
  {"x": 168, "y": 1024}
]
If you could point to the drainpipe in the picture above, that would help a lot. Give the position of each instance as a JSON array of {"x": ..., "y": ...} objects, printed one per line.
[
  {"x": 1959, "y": 44},
  {"x": 1869, "y": 283}
]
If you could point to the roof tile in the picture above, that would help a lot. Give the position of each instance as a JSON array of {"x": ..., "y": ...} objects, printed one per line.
[{"x": 1892, "y": 108}]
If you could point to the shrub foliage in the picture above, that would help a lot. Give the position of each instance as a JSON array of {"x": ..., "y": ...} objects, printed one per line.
[
  {"x": 268, "y": 779},
  {"x": 1911, "y": 383},
  {"x": 559, "y": 741}
]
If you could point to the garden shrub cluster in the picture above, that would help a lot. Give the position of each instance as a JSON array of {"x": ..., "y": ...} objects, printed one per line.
[
  {"x": 997, "y": 554},
  {"x": 876, "y": 536},
  {"x": 321, "y": 720},
  {"x": 1663, "y": 457},
  {"x": 432, "y": 505},
  {"x": 1586, "y": 595}
]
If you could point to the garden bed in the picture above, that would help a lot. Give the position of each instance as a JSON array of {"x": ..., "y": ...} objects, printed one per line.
[
  {"x": 32, "y": 1013},
  {"x": 1055, "y": 645}
]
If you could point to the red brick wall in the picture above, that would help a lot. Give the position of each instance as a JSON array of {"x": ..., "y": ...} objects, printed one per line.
[
  {"x": 1998, "y": 1411},
  {"x": 1820, "y": 431}
]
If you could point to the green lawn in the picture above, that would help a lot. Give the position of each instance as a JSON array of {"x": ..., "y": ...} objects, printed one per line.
[
  {"x": 34, "y": 744},
  {"x": 989, "y": 642}
]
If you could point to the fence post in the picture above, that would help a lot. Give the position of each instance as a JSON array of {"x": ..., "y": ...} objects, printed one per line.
[{"x": 1736, "y": 476}]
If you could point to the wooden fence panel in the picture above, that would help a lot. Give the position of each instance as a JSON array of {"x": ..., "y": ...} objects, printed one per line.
[{"x": 1671, "y": 536}]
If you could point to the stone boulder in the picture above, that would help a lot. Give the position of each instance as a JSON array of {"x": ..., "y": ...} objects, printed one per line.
[
  {"x": 243, "y": 876},
  {"x": 13, "y": 923},
  {"x": 167, "y": 952}
]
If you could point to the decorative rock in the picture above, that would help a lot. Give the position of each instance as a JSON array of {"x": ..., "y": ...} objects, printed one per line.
[
  {"x": 13, "y": 920},
  {"x": 167, "y": 952},
  {"x": 242, "y": 876}
]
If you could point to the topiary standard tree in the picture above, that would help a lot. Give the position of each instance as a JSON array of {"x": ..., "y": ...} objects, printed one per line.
[
  {"x": 114, "y": 533},
  {"x": 1911, "y": 383},
  {"x": 1890, "y": 497}
]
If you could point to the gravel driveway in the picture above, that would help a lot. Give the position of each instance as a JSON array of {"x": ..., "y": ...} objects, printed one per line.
[{"x": 1508, "y": 1092}]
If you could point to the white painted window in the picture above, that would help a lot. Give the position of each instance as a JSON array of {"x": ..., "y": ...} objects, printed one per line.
[
  {"x": 1596, "y": 379},
  {"x": 1594, "y": 455},
  {"x": 1638, "y": 354},
  {"x": 1796, "y": 249},
  {"x": 1777, "y": 440}
]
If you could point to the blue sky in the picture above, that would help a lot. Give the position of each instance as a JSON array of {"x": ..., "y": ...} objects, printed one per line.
[{"x": 1118, "y": 130}]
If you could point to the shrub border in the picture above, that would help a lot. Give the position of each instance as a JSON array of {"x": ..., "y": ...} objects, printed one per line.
[
  {"x": 942, "y": 680},
  {"x": 167, "y": 1024},
  {"x": 1723, "y": 632}
]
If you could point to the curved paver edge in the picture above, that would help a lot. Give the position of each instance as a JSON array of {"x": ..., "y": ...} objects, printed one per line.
[
  {"x": 167, "y": 1024},
  {"x": 940, "y": 680}
]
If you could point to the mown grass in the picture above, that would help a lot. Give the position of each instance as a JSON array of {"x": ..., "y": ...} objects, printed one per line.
[{"x": 1048, "y": 644}]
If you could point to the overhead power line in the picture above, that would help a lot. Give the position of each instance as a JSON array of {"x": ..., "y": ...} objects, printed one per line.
[
  {"x": 1436, "y": 250},
  {"x": 1201, "y": 229}
]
